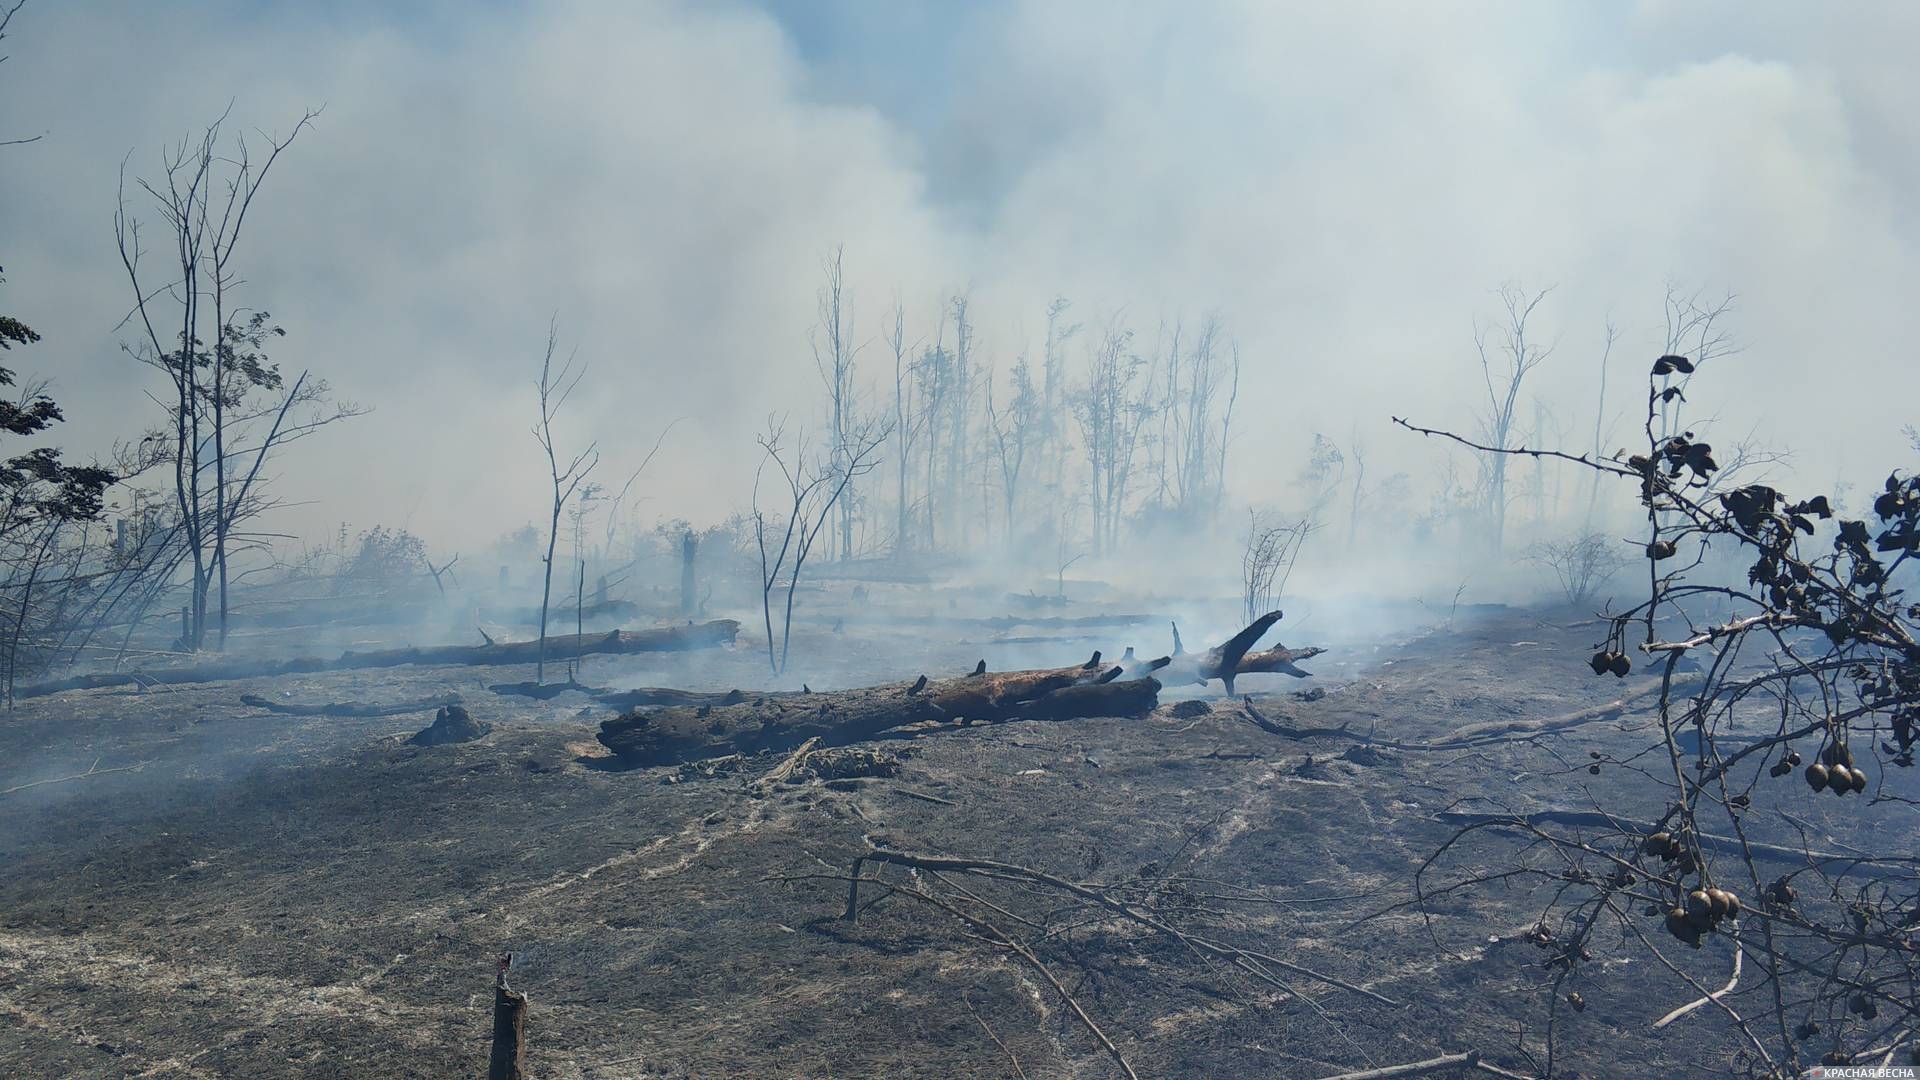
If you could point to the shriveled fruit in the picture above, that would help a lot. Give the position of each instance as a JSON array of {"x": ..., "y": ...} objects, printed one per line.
[
  {"x": 1816, "y": 776},
  {"x": 1601, "y": 662},
  {"x": 1593, "y": 770},
  {"x": 1659, "y": 843},
  {"x": 1579, "y": 1003},
  {"x": 1699, "y": 907},
  {"x": 1780, "y": 768},
  {"x": 1839, "y": 779},
  {"x": 1793, "y": 757},
  {"x": 1679, "y": 926},
  {"x": 1620, "y": 665}
]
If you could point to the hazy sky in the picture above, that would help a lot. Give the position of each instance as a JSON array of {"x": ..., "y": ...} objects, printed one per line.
[{"x": 1345, "y": 183}]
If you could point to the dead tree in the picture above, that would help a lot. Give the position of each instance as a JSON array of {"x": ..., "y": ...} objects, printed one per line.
[
  {"x": 1809, "y": 673},
  {"x": 213, "y": 353},
  {"x": 1013, "y": 431},
  {"x": 1111, "y": 410},
  {"x": 833, "y": 357},
  {"x": 812, "y": 492},
  {"x": 564, "y": 480},
  {"x": 907, "y": 423},
  {"x": 1508, "y": 354}
]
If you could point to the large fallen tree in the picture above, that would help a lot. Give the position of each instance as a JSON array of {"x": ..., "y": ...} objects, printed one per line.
[
  {"x": 661, "y": 639},
  {"x": 693, "y": 730},
  {"x": 781, "y": 722}
]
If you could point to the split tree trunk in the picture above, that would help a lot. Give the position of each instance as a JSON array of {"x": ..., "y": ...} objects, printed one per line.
[{"x": 1232, "y": 658}]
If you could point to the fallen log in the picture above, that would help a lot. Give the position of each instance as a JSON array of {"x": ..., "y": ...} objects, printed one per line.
[
  {"x": 348, "y": 708},
  {"x": 567, "y": 647},
  {"x": 1233, "y": 657},
  {"x": 771, "y": 722},
  {"x": 622, "y": 699}
]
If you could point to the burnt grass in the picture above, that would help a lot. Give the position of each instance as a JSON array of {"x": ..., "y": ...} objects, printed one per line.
[{"x": 281, "y": 896}]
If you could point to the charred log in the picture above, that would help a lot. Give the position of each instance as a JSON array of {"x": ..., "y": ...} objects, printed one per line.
[
  {"x": 613, "y": 642},
  {"x": 779, "y": 723},
  {"x": 348, "y": 708}
]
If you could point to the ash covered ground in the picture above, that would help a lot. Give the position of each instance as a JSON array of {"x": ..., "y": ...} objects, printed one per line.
[{"x": 282, "y": 896}]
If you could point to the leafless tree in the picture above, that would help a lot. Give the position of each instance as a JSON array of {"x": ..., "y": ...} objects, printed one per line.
[
  {"x": 811, "y": 493},
  {"x": 1197, "y": 425},
  {"x": 6, "y": 17},
  {"x": 1014, "y": 430},
  {"x": 555, "y": 387},
  {"x": 1112, "y": 408},
  {"x": 908, "y": 421},
  {"x": 212, "y": 352},
  {"x": 1509, "y": 351},
  {"x": 833, "y": 357}
]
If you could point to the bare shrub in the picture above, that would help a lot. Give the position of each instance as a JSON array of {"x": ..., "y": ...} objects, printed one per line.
[
  {"x": 1272, "y": 546},
  {"x": 1809, "y": 673},
  {"x": 1582, "y": 564}
]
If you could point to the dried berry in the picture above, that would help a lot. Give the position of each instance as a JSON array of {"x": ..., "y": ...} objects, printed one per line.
[{"x": 1816, "y": 776}]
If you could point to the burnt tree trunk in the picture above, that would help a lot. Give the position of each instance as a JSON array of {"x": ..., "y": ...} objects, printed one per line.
[
  {"x": 1233, "y": 658},
  {"x": 782, "y": 722},
  {"x": 509, "y": 1058},
  {"x": 688, "y": 546}
]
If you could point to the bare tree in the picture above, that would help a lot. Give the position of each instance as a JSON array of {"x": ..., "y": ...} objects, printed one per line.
[
  {"x": 1013, "y": 431},
  {"x": 1111, "y": 410},
  {"x": 907, "y": 421},
  {"x": 1508, "y": 354},
  {"x": 833, "y": 357},
  {"x": 812, "y": 492},
  {"x": 1197, "y": 426},
  {"x": 555, "y": 388},
  {"x": 212, "y": 352}
]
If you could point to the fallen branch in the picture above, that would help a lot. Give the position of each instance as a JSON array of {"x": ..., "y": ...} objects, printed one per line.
[
  {"x": 92, "y": 770},
  {"x": 1696, "y": 1003},
  {"x": 613, "y": 642},
  {"x": 1246, "y": 960},
  {"x": 1414, "y": 1068},
  {"x": 621, "y": 699},
  {"x": 349, "y": 709},
  {"x": 1869, "y": 867}
]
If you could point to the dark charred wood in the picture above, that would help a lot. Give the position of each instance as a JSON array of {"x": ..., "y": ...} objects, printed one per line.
[
  {"x": 348, "y": 708},
  {"x": 662, "y": 639},
  {"x": 508, "y": 1060},
  {"x": 674, "y": 735}
]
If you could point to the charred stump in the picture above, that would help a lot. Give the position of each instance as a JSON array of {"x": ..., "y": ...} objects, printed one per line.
[{"x": 508, "y": 1060}]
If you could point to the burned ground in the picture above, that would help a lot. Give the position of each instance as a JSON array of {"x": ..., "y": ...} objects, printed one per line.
[{"x": 282, "y": 896}]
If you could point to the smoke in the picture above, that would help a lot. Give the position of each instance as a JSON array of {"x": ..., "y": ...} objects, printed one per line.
[{"x": 1345, "y": 184}]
